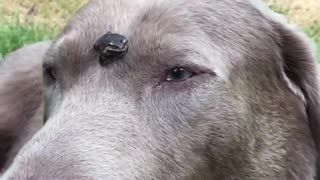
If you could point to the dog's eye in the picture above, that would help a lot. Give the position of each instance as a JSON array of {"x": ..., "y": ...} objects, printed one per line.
[
  {"x": 50, "y": 72},
  {"x": 178, "y": 74}
]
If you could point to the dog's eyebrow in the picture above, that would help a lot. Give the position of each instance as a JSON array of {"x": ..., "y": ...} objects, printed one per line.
[
  {"x": 197, "y": 60},
  {"x": 49, "y": 60},
  {"x": 48, "y": 64},
  {"x": 201, "y": 51}
]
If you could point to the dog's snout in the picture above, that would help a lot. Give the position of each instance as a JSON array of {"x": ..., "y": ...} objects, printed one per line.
[{"x": 56, "y": 150}]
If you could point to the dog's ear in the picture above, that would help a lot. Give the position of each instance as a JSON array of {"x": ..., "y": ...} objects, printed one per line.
[{"x": 301, "y": 75}]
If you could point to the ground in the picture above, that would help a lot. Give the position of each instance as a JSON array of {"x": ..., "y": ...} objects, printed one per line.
[{"x": 26, "y": 21}]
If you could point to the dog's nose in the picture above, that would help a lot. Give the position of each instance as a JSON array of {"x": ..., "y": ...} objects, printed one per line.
[{"x": 111, "y": 46}]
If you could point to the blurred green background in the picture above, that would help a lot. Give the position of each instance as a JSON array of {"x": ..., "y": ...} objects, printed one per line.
[{"x": 26, "y": 21}]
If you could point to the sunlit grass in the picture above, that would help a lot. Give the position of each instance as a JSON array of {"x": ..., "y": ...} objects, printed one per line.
[
  {"x": 16, "y": 35},
  {"x": 26, "y": 21},
  {"x": 47, "y": 12},
  {"x": 304, "y": 13}
]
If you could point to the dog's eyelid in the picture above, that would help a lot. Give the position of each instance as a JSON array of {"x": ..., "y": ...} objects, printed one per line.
[
  {"x": 190, "y": 66},
  {"x": 49, "y": 64},
  {"x": 199, "y": 69}
]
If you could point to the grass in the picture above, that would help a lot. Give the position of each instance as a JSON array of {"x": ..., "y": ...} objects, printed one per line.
[
  {"x": 26, "y": 21},
  {"x": 314, "y": 32},
  {"x": 46, "y": 12},
  {"x": 23, "y": 22},
  {"x": 16, "y": 35},
  {"x": 304, "y": 13}
]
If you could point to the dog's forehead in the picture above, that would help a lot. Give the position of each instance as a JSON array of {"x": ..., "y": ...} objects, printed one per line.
[{"x": 200, "y": 28}]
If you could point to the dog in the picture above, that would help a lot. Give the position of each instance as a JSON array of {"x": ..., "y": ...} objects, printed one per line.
[
  {"x": 21, "y": 106},
  {"x": 174, "y": 89}
]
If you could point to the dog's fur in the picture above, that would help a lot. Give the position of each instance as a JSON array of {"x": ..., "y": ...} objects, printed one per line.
[
  {"x": 21, "y": 106},
  {"x": 251, "y": 112}
]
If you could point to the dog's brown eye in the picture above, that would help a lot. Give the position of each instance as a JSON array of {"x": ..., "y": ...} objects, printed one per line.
[{"x": 179, "y": 74}]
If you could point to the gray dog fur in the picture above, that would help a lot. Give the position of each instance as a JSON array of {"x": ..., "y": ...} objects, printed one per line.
[
  {"x": 251, "y": 112},
  {"x": 20, "y": 98}
]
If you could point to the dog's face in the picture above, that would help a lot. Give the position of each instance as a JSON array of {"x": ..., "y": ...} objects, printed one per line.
[{"x": 207, "y": 90}]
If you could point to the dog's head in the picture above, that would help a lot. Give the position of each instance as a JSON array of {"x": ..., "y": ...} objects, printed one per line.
[{"x": 205, "y": 90}]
